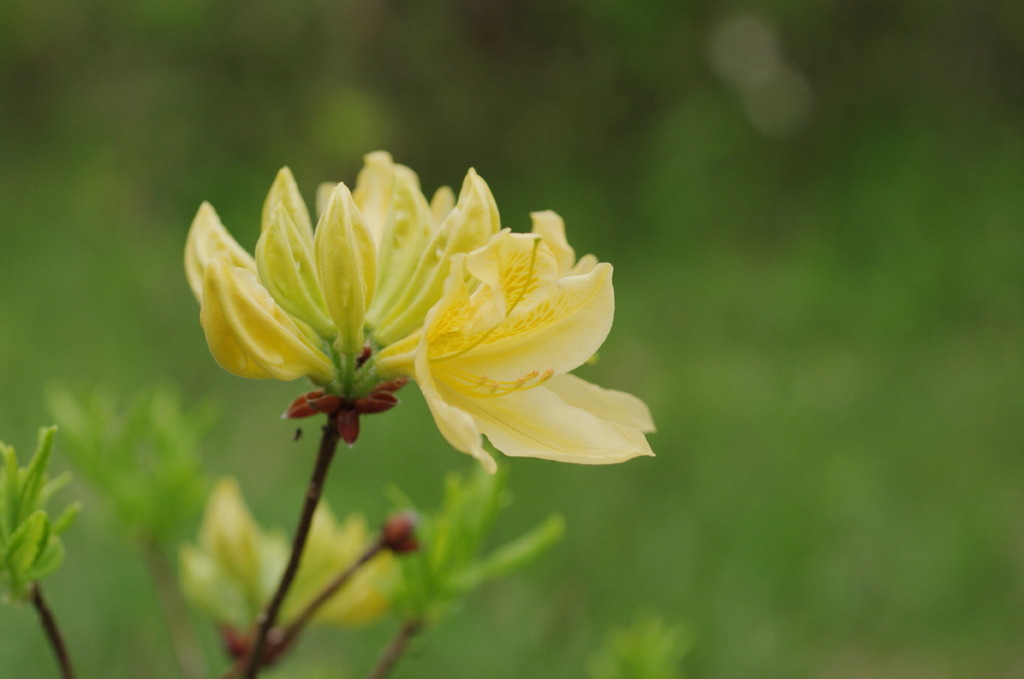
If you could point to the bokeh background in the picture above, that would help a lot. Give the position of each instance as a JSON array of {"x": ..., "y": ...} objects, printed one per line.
[{"x": 815, "y": 213}]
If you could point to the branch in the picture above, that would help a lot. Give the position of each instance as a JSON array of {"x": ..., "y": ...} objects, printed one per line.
[
  {"x": 289, "y": 634},
  {"x": 52, "y": 632},
  {"x": 395, "y": 649},
  {"x": 266, "y": 620}
]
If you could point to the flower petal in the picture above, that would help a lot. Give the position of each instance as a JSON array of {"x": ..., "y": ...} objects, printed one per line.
[
  {"x": 374, "y": 187},
  {"x": 471, "y": 223},
  {"x": 609, "y": 404},
  {"x": 346, "y": 261},
  {"x": 323, "y": 195},
  {"x": 285, "y": 192},
  {"x": 557, "y": 333},
  {"x": 550, "y": 226},
  {"x": 515, "y": 271},
  {"x": 537, "y": 423},
  {"x": 285, "y": 263},
  {"x": 442, "y": 203},
  {"x": 409, "y": 229},
  {"x": 456, "y": 425},
  {"x": 249, "y": 335},
  {"x": 208, "y": 240},
  {"x": 231, "y": 536}
]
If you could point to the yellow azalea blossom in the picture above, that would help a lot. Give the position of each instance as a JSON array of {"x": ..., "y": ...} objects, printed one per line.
[
  {"x": 390, "y": 286},
  {"x": 312, "y": 301},
  {"x": 233, "y": 570},
  {"x": 494, "y": 355}
]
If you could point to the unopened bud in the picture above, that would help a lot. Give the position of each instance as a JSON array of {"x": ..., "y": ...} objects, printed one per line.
[
  {"x": 347, "y": 422},
  {"x": 311, "y": 404},
  {"x": 236, "y": 644},
  {"x": 399, "y": 533}
]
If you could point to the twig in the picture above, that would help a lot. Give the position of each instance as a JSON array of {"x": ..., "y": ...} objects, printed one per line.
[
  {"x": 52, "y": 632},
  {"x": 395, "y": 649},
  {"x": 289, "y": 634},
  {"x": 267, "y": 618},
  {"x": 187, "y": 651}
]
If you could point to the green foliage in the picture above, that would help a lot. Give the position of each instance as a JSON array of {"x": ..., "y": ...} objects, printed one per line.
[
  {"x": 29, "y": 544},
  {"x": 142, "y": 455},
  {"x": 646, "y": 650},
  {"x": 448, "y": 564}
]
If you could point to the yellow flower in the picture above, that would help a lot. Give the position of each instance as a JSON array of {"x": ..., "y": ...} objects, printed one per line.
[
  {"x": 494, "y": 354},
  {"x": 233, "y": 570},
  {"x": 319, "y": 303},
  {"x": 390, "y": 286}
]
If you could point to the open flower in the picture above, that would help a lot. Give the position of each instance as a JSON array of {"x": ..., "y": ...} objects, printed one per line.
[
  {"x": 494, "y": 355},
  {"x": 390, "y": 286}
]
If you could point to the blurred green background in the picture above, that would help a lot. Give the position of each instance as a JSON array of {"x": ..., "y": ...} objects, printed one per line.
[{"x": 815, "y": 215}]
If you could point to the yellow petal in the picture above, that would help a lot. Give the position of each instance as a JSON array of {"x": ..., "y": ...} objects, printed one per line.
[
  {"x": 323, "y": 195},
  {"x": 585, "y": 265},
  {"x": 231, "y": 536},
  {"x": 330, "y": 548},
  {"x": 442, "y": 203},
  {"x": 285, "y": 192},
  {"x": 537, "y": 423},
  {"x": 515, "y": 271},
  {"x": 471, "y": 223},
  {"x": 409, "y": 229},
  {"x": 346, "y": 260},
  {"x": 249, "y": 335},
  {"x": 559, "y": 334},
  {"x": 206, "y": 586},
  {"x": 555, "y": 326},
  {"x": 208, "y": 240},
  {"x": 373, "y": 190},
  {"x": 609, "y": 404},
  {"x": 285, "y": 263},
  {"x": 549, "y": 226},
  {"x": 456, "y": 425}
]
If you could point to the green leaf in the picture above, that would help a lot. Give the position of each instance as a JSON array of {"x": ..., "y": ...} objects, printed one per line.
[
  {"x": 63, "y": 522},
  {"x": 26, "y": 543},
  {"x": 35, "y": 476},
  {"x": 48, "y": 561},
  {"x": 11, "y": 505},
  {"x": 648, "y": 649},
  {"x": 523, "y": 550}
]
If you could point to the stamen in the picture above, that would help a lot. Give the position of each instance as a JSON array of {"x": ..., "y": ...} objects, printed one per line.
[
  {"x": 482, "y": 386},
  {"x": 521, "y": 294}
]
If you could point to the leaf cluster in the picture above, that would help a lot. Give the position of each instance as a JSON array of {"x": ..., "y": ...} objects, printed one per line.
[
  {"x": 143, "y": 455},
  {"x": 646, "y": 650},
  {"x": 449, "y": 563},
  {"x": 29, "y": 544}
]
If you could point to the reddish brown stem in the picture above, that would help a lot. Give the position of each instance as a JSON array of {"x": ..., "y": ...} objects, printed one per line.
[
  {"x": 267, "y": 618},
  {"x": 290, "y": 633},
  {"x": 53, "y": 634},
  {"x": 395, "y": 649}
]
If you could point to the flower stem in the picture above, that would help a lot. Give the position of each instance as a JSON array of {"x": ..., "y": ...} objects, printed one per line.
[
  {"x": 293, "y": 630},
  {"x": 266, "y": 619},
  {"x": 53, "y": 634},
  {"x": 395, "y": 649}
]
